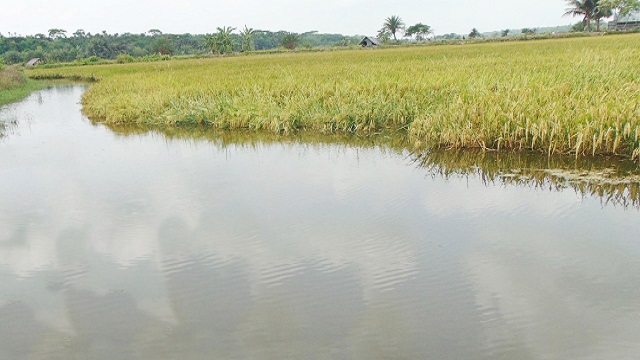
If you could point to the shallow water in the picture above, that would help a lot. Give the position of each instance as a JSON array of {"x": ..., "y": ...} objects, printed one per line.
[{"x": 176, "y": 244}]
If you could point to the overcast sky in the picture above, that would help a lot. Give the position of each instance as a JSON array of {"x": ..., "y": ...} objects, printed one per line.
[{"x": 349, "y": 17}]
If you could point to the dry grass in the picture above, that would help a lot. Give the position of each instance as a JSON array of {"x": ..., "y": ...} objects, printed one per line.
[{"x": 10, "y": 78}]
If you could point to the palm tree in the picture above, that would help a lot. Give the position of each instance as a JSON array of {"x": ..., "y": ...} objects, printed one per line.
[
  {"x": 393, "y": 24},
  {"x": 585, "y": 8},
  {"x": 600, "y": 13}
]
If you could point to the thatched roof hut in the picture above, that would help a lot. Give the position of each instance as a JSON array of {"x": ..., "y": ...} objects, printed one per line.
[
  {"x": 33, "y": 62},
  {"x": 369, "y": 42}
]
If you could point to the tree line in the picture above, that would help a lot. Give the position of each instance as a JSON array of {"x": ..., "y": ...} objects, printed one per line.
[
  {"x": 58, "y": 46},
  {"x": 589, "y": 10},
  {"x": 393, "y": 25},
  {"x": 597, "y": 10}
]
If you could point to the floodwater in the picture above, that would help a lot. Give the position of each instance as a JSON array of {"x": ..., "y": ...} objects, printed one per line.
[{"x": 187, "y": 244}]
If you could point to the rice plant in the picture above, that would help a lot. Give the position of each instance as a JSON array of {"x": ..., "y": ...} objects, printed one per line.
[{"x": 578, "y": 96}]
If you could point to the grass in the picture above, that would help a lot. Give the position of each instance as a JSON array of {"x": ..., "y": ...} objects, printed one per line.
[
  {"x": 14, "y": 86},
  {"x": 578, "y": 95}
]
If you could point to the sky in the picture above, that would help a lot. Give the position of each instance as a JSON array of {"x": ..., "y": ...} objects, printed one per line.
[{"x": 348, "y": 17}]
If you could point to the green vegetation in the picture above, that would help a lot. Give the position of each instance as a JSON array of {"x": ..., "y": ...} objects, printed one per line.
[
  {"x": 57, "y": 47},
  {"x": 220, "y": 42},
  {"x": 247, "y": 36},
  {"x": 579, "y": 96},
  {"x": 13, "y": 85},
  {"x": 290, "y": 41},
  {"x": 474, "y": 33},
  {"x": 392, "y": 25},
  {"x": 419, "y": 30},
  {"x": 598, "y": 10}
]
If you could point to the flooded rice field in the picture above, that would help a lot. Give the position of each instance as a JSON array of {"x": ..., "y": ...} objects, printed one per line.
[{"x": 123, "y": 243}]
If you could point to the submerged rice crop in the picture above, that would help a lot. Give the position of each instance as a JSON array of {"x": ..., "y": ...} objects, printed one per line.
[{"x": 578, "y": 96}]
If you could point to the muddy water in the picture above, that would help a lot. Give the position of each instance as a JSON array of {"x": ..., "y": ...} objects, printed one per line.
[{"x": 187, "y": 244}]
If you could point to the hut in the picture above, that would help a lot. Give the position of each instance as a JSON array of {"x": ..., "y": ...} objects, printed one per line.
[
  {"x": 33, "y": 62},
  {"x": 369, "y": 42},
  {"x": 626, "y": 22}
]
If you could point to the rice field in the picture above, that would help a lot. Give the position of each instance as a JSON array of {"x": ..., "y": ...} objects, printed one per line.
[{"x": 578, "y": 95}]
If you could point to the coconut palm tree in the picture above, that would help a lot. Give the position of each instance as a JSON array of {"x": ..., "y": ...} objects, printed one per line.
[
  {"x": 393, "y": 24},
  {"x": 584, "y": 8},
  {"x": 600, "y": 13}
]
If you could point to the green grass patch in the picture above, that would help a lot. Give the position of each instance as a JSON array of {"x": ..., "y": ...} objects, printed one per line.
[
  {"x": 14, "y": 86},
  {"x": 577, "y": 95}
]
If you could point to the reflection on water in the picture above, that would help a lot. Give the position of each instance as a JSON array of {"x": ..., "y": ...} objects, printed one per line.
[
  {"x": 6, "y": 126},
  {"x": 183, "y": 243},
  {"x": 615, "y": 180}
]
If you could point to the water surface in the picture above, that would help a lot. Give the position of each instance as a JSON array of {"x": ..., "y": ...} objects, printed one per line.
[{"x": 190, "y": 244}]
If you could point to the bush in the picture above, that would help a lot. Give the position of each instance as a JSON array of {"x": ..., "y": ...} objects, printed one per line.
[
  {"x": 125, "y": 59},
  {"x": 137, "y": 51},
  {"x": 155, "y": 57},
  {"x": 91, "y": 60},
  {"x": 13, "y": 57},
  {"x": 1, "y": 63}
]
